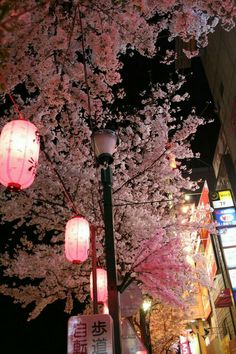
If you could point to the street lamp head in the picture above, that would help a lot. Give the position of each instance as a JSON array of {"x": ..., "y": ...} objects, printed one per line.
[
  {"x": 104, "y": 143},
  {"x": 147, "y": 304}
]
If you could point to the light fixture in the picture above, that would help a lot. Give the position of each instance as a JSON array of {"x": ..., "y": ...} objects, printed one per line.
[
  {"x": 187, "y": 197},
  {"x": 102, "y": 294},
  {"x": 172, "y": 161},
  {"x": 19, "y": 152},
  {"x": 185, "y": 208},
  {"x": 77, "y": 239},
  {"x": 146, "y": 305},
  {"x": 104, "y": 143}
]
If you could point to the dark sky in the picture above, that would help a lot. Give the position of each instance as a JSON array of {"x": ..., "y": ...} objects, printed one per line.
[
  {"x": 45, "y": 335},
  {"x": 138, "y": 72}
]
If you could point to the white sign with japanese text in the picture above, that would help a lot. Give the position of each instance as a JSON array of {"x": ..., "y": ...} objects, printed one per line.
[
  {"x": 228, "y": 236},
  {"x": 232, "y": 275},
  {"x": 222, "y": 199},
  {"x": 230, "y": 257},
  {"x": 90, "y": 334}
]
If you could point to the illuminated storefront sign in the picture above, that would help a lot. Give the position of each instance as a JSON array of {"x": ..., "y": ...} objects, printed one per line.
[
  {"x": 230, "y": 257},
  {"x": 232, "y": 275},
  {"x": 210, "y": 260},
  {"x": 223, "y": 299},
  {"x": 222, "y": 199},
  {"x": 184, "y": 345},
  {"x": 228, "y": 236},
  {"x": 203, "y": 202},
  {"x": 226, "y": 216}
]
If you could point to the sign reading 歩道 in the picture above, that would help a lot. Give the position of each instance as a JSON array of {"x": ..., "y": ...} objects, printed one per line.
[{"x": 90, "y": 334}]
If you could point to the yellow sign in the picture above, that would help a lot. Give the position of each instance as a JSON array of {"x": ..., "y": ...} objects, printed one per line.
[
  {"x": 225, "y": 195},
  {"x": 222, "y": 199}
]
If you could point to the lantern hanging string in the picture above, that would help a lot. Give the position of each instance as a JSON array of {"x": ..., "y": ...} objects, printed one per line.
[{"x": 16, "y": 107}]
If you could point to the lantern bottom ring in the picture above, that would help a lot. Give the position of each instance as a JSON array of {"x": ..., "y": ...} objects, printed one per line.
[{"x": 14, "y": 186}]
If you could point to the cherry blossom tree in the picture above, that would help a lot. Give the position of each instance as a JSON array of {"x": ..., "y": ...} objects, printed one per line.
[
  {"x": 55, "y": 39},
  {"x": 166, "y": 325},
  {"x": 62, "y": 63},
  {"x": 147, "y": 190}
]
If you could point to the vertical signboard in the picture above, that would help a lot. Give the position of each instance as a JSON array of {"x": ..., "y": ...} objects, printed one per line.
[
  {"x": 203, "y": 201},
  {"x": 228, "y": 236},
  {"x": 90, "y": 334},
  {"x": 210, "y": 259},
  {"x": 225, "y": 216},
  {"x": 205, "y": 237},
  {"x": 222, "y": 199},
  {"x": 232, "y": 274},
  {"x": 184, "y": 345}
]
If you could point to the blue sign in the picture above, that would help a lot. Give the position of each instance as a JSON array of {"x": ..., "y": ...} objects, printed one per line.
[
  {"x": 234, "y": 292},
  {"x": 225, "y": 216}
]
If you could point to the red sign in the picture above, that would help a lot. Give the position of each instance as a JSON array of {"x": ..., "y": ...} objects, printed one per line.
[
  {"x": 204, "y": 200},
  {"x": 184, "y": 345},
  {"x": 223, "y": 299},
  {"x": 210, "y": 260}
]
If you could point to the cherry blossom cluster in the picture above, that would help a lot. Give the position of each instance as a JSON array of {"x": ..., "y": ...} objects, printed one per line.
[{"x": 61, "y": 60}]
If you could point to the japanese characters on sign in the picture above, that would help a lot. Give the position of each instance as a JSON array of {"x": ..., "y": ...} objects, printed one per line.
[
  {"x": 225, "y": 216},
  {"x": 222, "y": 199},
  {"x": 228, "y": 236},
  {"x": 230, "y": 257},
  {"x": 232, "y": 274},
  {"x": 90, "y": 334},
  {"x": 184, "y": 345}
]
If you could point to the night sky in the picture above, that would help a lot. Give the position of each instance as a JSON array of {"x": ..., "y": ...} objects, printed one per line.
[{"x": 48, "y": 333}]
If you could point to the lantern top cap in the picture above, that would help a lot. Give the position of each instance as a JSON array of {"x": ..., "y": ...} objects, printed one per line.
[{"x": 104, "y": 143}]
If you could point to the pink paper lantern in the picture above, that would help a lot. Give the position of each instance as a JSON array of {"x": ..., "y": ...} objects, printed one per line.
[
  {"x": 19, "y": 153},
  {"x": 102, "y": 294},
  {"x": 77, "y": 239}
]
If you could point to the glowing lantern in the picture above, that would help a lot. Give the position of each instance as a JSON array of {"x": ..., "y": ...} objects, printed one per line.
[
  {"x": 77, "y": 239},
  {"x": 102, "y": 294},
  {"x": 19, "y": 152},
  {"x": 172, "y": 161}
]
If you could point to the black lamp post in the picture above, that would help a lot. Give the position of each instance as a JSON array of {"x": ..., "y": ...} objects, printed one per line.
[
  {"x": 104, "y": 143},
  {"x": 145, "y": 324}
]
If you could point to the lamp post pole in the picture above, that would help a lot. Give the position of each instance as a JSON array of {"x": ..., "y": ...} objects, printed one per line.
[
  {"x": 104, "y": 143},
  {"x": 94, "y": 268},
  {"x": 113, "y": 299}
]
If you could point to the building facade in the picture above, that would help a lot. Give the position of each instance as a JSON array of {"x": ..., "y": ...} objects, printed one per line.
[{"x": 219, "y": 61}]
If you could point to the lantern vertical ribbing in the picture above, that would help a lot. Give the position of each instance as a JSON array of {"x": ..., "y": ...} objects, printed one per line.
[
  {"x": 113, "y": 300},
  {"x": 19, "y": 153},
  {"x": 77, "y": 237},
  {"x": 101, "y": 285}
]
